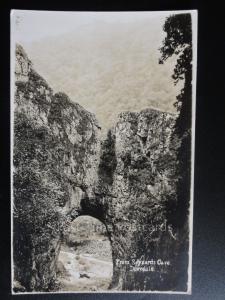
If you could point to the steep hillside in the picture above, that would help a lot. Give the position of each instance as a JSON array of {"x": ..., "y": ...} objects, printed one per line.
[{"x": 107, "y": 67}]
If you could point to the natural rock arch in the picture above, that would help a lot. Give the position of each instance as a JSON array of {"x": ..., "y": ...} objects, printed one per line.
[{"x": 64, "y": 170}]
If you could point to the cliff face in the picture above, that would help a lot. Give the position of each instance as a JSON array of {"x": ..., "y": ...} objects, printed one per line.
[
  {"x": 137, "y": 192},
  {"x": 56, "y": 156},
  {"x": 63, "y": 170}
]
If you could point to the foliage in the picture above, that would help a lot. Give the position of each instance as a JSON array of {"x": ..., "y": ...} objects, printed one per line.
[
  {"x": 178, "y": 41},
  {"x": 38, "y": 192},
  {"x": 108, "y": 162}
]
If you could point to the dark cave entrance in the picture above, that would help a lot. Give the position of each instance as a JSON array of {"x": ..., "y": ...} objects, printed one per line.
[{"x": 85, "y": 258}]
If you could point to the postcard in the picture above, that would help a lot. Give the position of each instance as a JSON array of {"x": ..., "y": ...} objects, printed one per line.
[{"x": 102, "y": 151}]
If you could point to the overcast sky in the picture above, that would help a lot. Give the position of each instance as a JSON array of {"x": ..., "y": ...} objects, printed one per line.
[{"x": 35, "y": 25}]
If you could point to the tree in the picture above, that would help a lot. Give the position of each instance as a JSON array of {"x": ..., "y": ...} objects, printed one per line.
[{"x": 178, "y": 41}]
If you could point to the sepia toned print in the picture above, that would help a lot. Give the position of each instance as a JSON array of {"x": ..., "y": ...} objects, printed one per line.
[{"x": 103, "y": 114}]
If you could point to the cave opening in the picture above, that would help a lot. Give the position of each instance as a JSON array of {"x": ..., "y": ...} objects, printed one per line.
[{"x": 85, "y": 258}]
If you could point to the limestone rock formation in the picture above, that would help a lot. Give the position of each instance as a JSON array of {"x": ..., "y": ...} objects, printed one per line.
[
  {"x": 56, "y": 157},
  {"x": 141, "y": 163},
  {"x": 62, "y": 170}
]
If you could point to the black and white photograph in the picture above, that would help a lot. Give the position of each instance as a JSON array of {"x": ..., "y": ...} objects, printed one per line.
[{"x": 102, "y": 151}]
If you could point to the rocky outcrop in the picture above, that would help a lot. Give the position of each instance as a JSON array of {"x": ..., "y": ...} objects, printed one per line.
[
  {"x": 56, "y": 158},
  {"x": 139, "y": 164},
  {"x": 23, "y": 64},
  {"x": 63, "y": 170}
]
